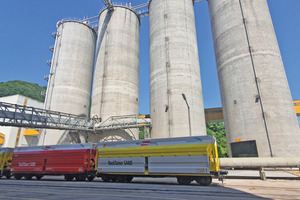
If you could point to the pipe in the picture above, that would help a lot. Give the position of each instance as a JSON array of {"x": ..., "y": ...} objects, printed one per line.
[{"x": 259, "y": 162}]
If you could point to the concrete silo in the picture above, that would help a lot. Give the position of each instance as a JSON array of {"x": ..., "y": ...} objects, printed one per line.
[
  {"x": 116, "y": 77},
  {"x": 174, "y": 70},
  {"x": 70, "y": 79},
  {"x": 260, "y": 119}
]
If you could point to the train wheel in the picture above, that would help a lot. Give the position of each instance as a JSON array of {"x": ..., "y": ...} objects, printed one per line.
[
  {"x": 69, "y": 177},
  {"x": 8, "y": 176},
  {"x": 204, "y": 180},
  {"x": 128, "y": 179},
  {"x": 105, "y": 178},
  {"x": 90, "y": 177},
  {"x": 80, "y": 177},
  {"x": 38, "y": 177},
  {"x": 28, "y": 177},
  {"x": 184, "y": 180},
  {"x": 18, "y": 176}
]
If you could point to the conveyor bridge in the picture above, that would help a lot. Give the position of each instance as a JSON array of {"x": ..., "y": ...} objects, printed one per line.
[{"x": 24, "y": 116}]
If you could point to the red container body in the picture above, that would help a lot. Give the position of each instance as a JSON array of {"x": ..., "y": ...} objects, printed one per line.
[{"x": 54, "y": 160}]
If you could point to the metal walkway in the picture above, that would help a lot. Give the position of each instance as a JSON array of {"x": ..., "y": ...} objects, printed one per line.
[
  {"x": 24, "y": 116},
  {"x": 123, "y": 122}
]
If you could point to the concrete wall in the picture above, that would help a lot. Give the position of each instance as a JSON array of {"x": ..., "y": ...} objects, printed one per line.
[
  {"x": 174, "y": 69},
  {"x": 70, "y": 79},
  {"x": 245, "y": 100},
  {"x": 116, "y": 78}
]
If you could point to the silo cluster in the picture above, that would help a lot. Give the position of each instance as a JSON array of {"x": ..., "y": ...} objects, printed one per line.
[
  {"x": 116, "y": 77},
  {"x": 259, "y": 116}
]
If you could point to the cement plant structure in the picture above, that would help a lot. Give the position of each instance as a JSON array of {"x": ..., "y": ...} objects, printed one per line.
[
  {"x": 116, "y": 77},
  {"x": 259, "y": 116},
  {"x": 257, "y": 104},
  {"x": 174, "y": 70},
  {"x": 70, "y": 78}
]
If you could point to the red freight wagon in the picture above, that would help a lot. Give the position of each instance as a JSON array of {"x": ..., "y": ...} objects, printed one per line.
[{"x": 73, "y": 161}]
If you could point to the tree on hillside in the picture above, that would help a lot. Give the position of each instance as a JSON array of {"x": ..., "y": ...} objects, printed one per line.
[
  {"x": 27, "y": 89},
  {"x": 218, "y": 131}
]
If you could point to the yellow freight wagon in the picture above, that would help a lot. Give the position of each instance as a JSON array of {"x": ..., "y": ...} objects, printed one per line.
[
  {"x": 6, "y": 155},
  {"x": 187, "y": 159}
]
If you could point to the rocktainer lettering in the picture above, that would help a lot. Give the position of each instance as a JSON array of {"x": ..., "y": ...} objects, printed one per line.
[{"x": 126, "y": 162}]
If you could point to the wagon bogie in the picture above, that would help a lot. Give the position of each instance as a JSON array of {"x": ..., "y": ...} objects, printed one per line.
[
  {"x": 80, "y": 177},
  {"x": 69, "y": 177},
  {"x": 91, "y": 177},
  {"x": 38, "y": 177},
  {"x": 28, "y": 176},
  {"x": 204, "y": 180},
  {"x": 18, "y": 176},
  {"x": 184, "y": 180}
]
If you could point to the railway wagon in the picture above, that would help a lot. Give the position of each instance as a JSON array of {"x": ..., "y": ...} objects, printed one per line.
[
  {"x": 6, "y": 155},
  {"x": 73, "y": 161},
  {"x": 187, "y": 159}
]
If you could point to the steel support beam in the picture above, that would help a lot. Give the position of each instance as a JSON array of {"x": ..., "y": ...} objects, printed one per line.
[{"x": 108, "y": 4}]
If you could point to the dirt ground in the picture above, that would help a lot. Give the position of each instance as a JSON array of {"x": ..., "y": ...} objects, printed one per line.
[{"x": 270, "y": 189}]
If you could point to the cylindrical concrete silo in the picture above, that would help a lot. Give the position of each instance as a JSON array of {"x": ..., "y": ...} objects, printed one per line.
[
  {"x": 259, "y": 116},
  {"x": 174, "y": 70},
  {"x": 70, "y": 79},
  {"x": 116, "y": 77}
]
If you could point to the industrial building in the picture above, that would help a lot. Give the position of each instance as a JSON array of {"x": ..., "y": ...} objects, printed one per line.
[{"x": 16, "y": 136}]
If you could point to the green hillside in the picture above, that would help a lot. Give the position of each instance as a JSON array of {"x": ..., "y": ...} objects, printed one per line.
[{"x": 27, "y": 89}]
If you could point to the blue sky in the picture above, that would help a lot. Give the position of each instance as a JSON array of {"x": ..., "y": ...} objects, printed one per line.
[{"x": 26, "y": 27}]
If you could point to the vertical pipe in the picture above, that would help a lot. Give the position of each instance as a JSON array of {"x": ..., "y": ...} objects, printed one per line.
[{"x": 256, "y": 80}]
